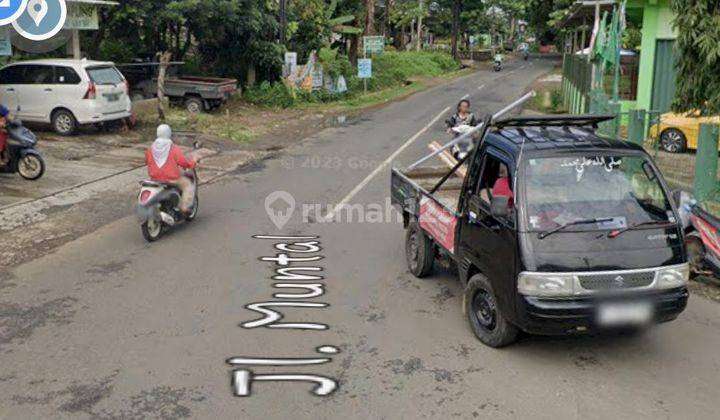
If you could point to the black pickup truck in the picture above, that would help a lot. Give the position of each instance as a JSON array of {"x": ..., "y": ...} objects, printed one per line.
[{"x": 554, "y": 230}]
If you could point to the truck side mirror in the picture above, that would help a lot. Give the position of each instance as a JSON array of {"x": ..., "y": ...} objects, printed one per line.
[{"x": 500, "y": 206}]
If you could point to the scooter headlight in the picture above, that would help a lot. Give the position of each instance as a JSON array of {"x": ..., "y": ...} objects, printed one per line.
[
  {"x": 672, "y": 277},
  {"x": 540, "y": 284}
]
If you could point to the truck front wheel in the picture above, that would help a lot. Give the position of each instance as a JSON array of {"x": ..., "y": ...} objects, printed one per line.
[
  {"x": 419, "y": 251},
  {"x": 486, "y": 320}
]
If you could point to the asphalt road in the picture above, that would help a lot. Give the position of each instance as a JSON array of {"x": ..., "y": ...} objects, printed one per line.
[{"x": 111, "y": 327}]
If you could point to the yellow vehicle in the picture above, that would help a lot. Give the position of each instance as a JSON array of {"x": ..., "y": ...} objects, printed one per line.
[{"x": 679, "y": 132}]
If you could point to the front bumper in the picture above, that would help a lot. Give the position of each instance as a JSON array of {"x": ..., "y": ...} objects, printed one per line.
[{"x": 559, "y": 316}]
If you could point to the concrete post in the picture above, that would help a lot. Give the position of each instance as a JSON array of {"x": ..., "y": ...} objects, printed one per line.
[
  {"x": 77, "y": 54},
  {"x": 706, "y": 161},
  {"x": 636, "y": 126}
]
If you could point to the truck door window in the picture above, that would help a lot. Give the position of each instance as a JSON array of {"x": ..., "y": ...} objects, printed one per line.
[{"x": 495, "y": 180}]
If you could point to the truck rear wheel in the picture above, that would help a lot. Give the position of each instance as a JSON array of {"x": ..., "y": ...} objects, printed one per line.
[
  {"x": 486, "y": 320},
  {"x": 194, "y": 105},
  {"x": 419, "y": 251}
]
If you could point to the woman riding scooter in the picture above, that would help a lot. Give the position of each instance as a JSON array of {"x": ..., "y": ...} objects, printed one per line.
[
  {"x": 458, "y": 125},
  {"x": 5, "y": 118}
]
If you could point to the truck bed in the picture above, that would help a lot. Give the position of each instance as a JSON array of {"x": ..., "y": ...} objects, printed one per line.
[{"x": 421, "y": 180}]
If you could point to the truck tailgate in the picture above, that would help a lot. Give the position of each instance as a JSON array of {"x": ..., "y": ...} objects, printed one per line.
[{"x": 436, "y": 213}]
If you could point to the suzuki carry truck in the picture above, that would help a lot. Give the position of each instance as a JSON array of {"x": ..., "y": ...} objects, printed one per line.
[{"x": 554, "y": 229}]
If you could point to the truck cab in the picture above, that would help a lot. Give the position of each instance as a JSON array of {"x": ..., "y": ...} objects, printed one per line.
[{"x": 555, "y": 230}]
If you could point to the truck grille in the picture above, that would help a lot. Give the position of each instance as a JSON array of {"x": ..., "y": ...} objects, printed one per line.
[{"x": 617, "y": 281}]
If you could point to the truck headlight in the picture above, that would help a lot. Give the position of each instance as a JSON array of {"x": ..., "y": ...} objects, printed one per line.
[
  {"x": 672, "y": 277},
  {"x": 537, "y": 284}
]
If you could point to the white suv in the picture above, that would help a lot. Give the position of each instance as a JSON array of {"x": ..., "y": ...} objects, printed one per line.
[{"x": 65, "y": 93}]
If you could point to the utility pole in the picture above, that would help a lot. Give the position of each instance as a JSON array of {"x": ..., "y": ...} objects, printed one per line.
[
  {"x": 283, "y": 21},
  {"x": 418, "y": 46},
  {"x": 457, "y": 4}
]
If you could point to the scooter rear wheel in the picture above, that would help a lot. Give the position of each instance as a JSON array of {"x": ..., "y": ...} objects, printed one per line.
[
  {"x": 31, "y": 167},
  {"x": 152, "y": 230}
]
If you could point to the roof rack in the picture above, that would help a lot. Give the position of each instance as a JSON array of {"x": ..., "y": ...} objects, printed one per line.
[{"x": 554, "y": 121}]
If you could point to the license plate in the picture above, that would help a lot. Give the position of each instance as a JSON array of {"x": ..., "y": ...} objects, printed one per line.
[
  {"x": 112, "y": 97},
  {"x": 618, "y": 314}
]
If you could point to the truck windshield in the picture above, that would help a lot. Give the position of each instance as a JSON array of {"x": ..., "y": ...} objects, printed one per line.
[{"x": 618, "y": 191}]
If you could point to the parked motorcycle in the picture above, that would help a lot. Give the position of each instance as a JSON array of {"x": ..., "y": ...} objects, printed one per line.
[
  {"x": 702, "y": 236},
  {"x": 158, "y": 206},
  {"x": 24, "y": 157}
]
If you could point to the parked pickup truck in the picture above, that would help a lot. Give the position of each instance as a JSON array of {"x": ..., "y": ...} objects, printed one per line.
[
  {"x": 554, "y": 230},
  {"x": 195, "y": 93}
]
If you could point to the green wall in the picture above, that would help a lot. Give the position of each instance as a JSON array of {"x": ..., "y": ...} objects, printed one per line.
[{"x": 656, "y": 24}]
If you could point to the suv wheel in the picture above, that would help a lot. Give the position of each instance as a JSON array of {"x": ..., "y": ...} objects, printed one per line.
[
  {"x": 486, "y": 320},
  {"x": 64, "y": 122},
  {"x": 419, "y": 251}
]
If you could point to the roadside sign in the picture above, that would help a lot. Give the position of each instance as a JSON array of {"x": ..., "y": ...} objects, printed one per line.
[
  {"x": 364, "y": 68},
  {"x": 374, "y": 44},
  {"x": 5, "y": 45},
  {"x": 82, "y": 16},
  {"x": 290, "y": 63}
]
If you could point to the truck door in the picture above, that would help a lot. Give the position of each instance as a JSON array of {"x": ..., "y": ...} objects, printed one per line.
[{"x": 487, "y": 241}]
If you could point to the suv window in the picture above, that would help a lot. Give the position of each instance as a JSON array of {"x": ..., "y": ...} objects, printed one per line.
[
  {"x": 66, "y": 76},
  {"x": 11, "y": 75},
  {"x": 37, "y": 75},
  {"x": 107, "y": 75}
]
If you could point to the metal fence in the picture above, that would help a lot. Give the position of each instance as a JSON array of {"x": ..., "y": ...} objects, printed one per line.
[{"x": 576, "y": 84}]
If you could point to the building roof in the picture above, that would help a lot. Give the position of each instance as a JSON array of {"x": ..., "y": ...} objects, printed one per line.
[{"x": 583, "y": 12}]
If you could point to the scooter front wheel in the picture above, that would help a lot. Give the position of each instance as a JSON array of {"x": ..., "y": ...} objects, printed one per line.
[
  {"x": 193, "y": 213},
  {"x": 31, "y": 167},
  {"x": 152, "y": 230}
]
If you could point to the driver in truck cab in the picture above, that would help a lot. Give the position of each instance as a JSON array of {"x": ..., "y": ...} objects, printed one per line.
[{"x": 165, "y": 162}]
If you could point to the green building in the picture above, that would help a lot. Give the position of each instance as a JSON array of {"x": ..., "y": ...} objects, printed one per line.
[{"x": 647, "y": 75}]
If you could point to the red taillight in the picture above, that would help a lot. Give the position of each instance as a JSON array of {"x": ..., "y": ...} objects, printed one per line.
[
  {"x": 708, "y": 233},
  {"x": 91, "y": 92},
  {"x": 145, "y": 196}
]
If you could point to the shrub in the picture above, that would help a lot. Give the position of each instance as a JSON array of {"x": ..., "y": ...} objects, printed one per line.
[{"x": 276, "y": 95}]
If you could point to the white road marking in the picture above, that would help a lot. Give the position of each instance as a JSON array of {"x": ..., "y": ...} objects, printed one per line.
[
  {"x": 386, "y": 162},
  {"x": 465, "y": 97},
  {"x": 481, "y": 87}
]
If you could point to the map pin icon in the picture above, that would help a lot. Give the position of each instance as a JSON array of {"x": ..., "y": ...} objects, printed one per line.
[
  {"x": 280, "y": 206},
  {"x": 37, "y": 9}
]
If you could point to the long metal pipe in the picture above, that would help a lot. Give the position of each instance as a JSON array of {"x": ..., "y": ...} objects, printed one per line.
[{"x": 475, "y": 129}]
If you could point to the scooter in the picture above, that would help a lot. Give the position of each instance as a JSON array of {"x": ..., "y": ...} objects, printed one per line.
[
  {"x": 158, "y": 206},
  {"x": 462, "y": 149},
  {"x": 702, "y": 236},
  {"x": 23, "y": 156},
  {"x": 498, "y": 65}
]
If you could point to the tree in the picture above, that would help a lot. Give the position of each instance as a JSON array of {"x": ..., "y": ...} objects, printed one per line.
[
  {"x": 698, "y": 46},
  {"x": 456, "y": 10}
]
